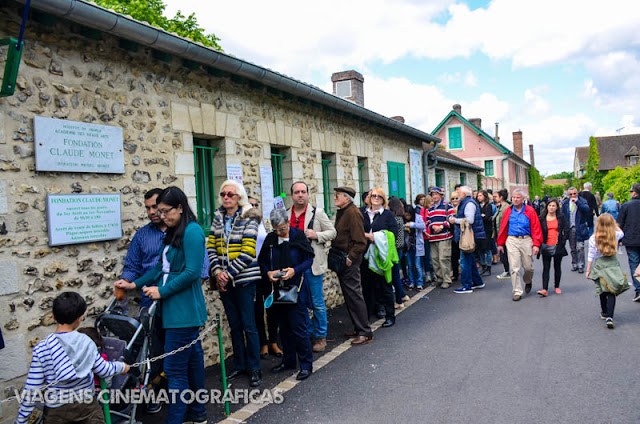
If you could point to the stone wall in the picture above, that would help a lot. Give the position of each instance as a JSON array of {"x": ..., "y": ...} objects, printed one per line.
[{"x": 161, "y": 106}]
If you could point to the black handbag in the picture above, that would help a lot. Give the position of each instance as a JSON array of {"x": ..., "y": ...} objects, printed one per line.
[
  {"x": 286, "y": 295},
  {"x": 336, "y": 260},
  {"x": 548, "y": 250}
]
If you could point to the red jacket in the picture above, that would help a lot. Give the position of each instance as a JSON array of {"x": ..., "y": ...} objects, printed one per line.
[{"x": 534, "y": 224}]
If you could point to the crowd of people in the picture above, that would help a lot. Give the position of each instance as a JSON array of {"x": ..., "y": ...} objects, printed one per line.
[{"x": 378, "y": 251}]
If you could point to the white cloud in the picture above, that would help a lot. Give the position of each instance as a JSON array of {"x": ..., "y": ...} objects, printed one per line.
[
  {"x": 625, "y": 126},
  {"x": 536, "y": 105},
  {"x": 470, "y": 79}
]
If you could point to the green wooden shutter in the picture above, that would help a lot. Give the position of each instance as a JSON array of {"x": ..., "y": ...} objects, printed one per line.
[
  {"x": 361, "y": 180},
  {"x": 326, "y": 185},
  {"x": 276, "y": 166},
  {"x": 396, "y": 179},
  {"x": 439, "y": 178},
  {"x": 488, "y": 168},
  {"x": 455, "y": 138},
  {"x": 205, "y": 186}
]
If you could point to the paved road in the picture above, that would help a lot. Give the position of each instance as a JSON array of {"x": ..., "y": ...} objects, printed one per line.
[{"x": 482, "y": 358}]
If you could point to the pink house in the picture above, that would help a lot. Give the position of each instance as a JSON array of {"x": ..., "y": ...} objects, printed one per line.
[{"x": 466, "y": 139}]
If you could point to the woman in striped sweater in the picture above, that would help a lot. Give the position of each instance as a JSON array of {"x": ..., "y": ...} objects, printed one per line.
[{"x": 232, "y": 255}]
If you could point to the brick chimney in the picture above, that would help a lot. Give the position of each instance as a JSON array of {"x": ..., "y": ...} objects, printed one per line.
[
  {"x": 398, "y": 118},
  {"x": 531, "y": 158},
  {"x": 476, "y": 122},
  {"x": 517, "y": 143},
  {"x": 349, "y": 85},
  {"x": 457, "y": 109}
]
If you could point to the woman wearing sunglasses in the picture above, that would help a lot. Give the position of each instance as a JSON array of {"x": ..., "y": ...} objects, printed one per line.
[{"x": 234, "y": 267}]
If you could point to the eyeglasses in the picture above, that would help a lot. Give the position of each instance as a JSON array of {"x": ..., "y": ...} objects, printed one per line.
[
  {"x": 228, "y": 194},
  {"x": 165, "y": 211},
  {"x": 281, "y": 230},
  {"x": 254, "y": 205},
  {"x": 374, "y": 196},
  {"x": 454, "y": 198},
  {"x": 573, "y": 194}
]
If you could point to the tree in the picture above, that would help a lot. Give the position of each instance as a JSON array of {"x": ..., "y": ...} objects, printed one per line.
[
  {"x": 535, "y": 182},
  {"x": 560, "y": 176},
  {"x": 151, "y": 11},
  {"x": 620, "y": 180},
  {"x": 593, "y": 174}
]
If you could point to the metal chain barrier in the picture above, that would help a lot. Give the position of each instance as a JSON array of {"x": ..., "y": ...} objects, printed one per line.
[{"x": 201, "y": 337}]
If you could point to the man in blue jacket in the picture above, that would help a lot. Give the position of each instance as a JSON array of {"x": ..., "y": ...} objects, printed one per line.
[
  {"x": 468, "y": 209},
  {"x": 578, "y": 211}
]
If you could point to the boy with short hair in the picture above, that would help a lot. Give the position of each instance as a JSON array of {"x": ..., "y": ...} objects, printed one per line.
[{"x": 67, "y": 360}]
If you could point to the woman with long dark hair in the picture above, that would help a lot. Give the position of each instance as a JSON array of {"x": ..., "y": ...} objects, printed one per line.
[
  {"x": 175, "y": 283},
  {"x": 555, "y": 231}
]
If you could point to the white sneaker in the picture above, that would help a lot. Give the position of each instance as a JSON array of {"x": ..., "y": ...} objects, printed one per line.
[{"x": 504, "y": 276}]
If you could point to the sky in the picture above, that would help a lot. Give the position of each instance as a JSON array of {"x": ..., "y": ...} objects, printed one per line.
[{"x": 560, "y": 71}]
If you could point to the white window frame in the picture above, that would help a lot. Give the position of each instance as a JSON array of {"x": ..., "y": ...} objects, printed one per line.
[{"x": 461, "y": 138}]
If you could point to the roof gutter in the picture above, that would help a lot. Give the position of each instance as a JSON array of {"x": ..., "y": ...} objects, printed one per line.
[
  {"x": 456, "y": 163},
  {"x": 122, "y": 26}
]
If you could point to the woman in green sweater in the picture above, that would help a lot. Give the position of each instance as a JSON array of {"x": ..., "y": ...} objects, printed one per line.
[{"x": 175, "y": 283}]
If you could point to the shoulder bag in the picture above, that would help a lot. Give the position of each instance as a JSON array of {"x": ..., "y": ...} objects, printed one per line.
[
  {"x": 336, "y": 260},
  {"x": 467, "y": 239}
]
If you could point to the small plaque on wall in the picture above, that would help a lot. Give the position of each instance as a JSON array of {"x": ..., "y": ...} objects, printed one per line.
[
  {"x": 83, "y": 218},
  {"x": 70, "y": 146}
]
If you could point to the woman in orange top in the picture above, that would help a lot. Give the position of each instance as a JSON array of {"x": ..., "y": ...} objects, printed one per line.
[{"x": 555, "y": 230}]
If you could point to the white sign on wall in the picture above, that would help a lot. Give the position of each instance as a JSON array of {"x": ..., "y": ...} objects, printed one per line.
[
  {"x": 81, "y": 218},
  {"x": 266, "y": 188},
  {"x": 71, "y": 146},
  {"x": 415, "y": 170},
  {"x": 234, "y": 172}
]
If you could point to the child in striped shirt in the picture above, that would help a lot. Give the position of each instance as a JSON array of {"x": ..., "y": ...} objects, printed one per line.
[{"x": 64, "y": 364}]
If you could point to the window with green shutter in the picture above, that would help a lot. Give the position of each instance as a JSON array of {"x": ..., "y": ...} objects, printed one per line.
[
  {"x": 463, "y": 178},
  {"x": 440, "y": 178},
  {"x": 205, "y": 186},
  {"x": 361, "y": 179},
  {"x": 276, "y": 167},
  {"x": 326, "y": 186},
  {"x": 517, "y": 174},
  {"x": 455, "y": 138},
  {"x": 488, "y": 168}
]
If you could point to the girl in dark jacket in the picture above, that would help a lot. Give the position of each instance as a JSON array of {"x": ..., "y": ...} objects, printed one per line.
[{"x": 555, "y": 231}]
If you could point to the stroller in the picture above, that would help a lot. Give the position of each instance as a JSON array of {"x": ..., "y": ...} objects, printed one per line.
[{"x": 127, "y": 339}]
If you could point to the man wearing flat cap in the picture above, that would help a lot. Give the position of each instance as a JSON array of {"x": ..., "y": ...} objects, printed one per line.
[
  {"x": 351, "y": 240},
  {"x": 439, "y": 230}
]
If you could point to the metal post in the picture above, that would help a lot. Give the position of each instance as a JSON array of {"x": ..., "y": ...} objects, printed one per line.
[
  {"x": 105, "y": 403},
  {"x": 227, "y": 411}
]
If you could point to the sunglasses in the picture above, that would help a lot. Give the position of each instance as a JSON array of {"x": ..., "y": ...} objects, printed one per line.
[
  {"x": 281, "y": 230},
  {"x": 254, "y": 205},
  {"x": 228, "y": 194},
  {"x": 374, "y": 196},
  {"x": 454, "y": 198}
]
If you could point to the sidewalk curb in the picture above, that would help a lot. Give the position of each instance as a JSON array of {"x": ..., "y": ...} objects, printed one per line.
[{"x": 290, "y": 382}]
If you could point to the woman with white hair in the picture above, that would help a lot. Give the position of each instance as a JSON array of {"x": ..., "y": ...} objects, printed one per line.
[
  {"x": 284, "y": 258},
  {"x": 234, "y": 267}
]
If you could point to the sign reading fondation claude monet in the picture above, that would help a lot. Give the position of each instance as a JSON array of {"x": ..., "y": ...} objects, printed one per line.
[
  {"x": 82, "y": 218},
  {"x": 70, "y": 146}
]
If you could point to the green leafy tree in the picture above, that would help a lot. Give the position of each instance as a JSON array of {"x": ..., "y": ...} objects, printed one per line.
[
  {"x": 554, "y": 190},
  {"x": 151, "y": 11},
  {"x": 535, "y": 182},
  {"x": 594, "y": 175},
  {"x": 560, "y": 176},
  {"x": 620, "y": 180}
]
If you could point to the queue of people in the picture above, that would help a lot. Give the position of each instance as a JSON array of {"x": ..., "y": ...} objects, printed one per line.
[{"x": 372, "y": 249}]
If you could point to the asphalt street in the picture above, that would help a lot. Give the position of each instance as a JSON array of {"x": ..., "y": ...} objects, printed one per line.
[{"x": 483, "y": 358}]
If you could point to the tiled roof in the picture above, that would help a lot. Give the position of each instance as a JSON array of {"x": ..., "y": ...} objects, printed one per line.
[
  {"x": 453, "y": 159},
  {"x": 614, "y": 149},
  {"x": 556, "y": 182}
]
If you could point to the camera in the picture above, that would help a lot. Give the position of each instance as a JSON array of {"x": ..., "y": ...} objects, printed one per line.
[{"x": 279, "y": 275}]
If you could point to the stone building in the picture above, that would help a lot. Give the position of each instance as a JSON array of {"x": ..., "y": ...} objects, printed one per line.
[{"x": 189, "y": 116}]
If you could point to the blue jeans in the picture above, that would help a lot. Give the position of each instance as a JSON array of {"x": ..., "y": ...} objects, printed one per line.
[
  {"x": 470, "y": 274},
  {"x": 414, "y": 268},
  {"x": 238, "y": 305},
  {"x": 317, "y": 326},
  {"x": 184, "y": 371},
  {"x": 486, "y": 258},
  {"x": 426, "y": 259},
  {"x": 397, "y": 282},
  {"x": 633, "y": 253}
]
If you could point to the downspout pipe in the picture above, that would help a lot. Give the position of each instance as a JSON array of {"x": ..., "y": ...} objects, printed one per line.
[{"x": 425, "y": 163}]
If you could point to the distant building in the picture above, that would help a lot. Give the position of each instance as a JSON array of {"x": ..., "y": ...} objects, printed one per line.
[
  {"x": 615, "y": 151},
  {"x": 502, "y": 168}
]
